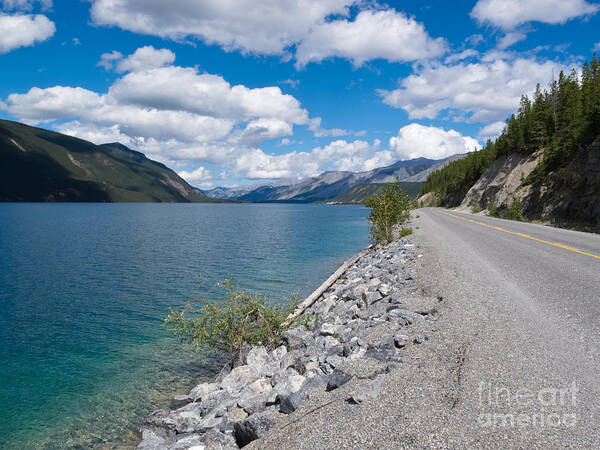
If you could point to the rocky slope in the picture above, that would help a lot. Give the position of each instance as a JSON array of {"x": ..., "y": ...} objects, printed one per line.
[
  {"x": 330, "y": 184},
  {"x": 358, "y": 330},
  {"x": 502, "y": 180},
  {"x": 568, "y": 196},
  {"x": 38, "y": 165}
]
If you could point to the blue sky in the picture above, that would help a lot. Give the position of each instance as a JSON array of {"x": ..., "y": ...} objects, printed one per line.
[{"x": 246, "y": 91}]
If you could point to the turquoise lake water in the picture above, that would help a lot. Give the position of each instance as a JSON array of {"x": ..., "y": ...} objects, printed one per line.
[{"x": 84, "y": 289}]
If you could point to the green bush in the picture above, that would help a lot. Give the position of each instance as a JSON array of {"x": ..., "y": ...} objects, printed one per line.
[
  {"x": 515, "y": 212},
  {"x": 475, "y": 207},
  {"x": 405, "y": 232},
  {"x": 230, "y": 325},
  {"x": 389, "y": 209},
  {"x": 492, "y": 208}
]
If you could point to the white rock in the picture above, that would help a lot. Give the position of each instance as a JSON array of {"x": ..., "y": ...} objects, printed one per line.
[
  {"x": 202, "y": 389},
  {"x": 238, "y": 378}
]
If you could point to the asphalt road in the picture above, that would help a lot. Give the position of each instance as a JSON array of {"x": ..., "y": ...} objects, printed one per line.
[{"x": 521, "y": 315}]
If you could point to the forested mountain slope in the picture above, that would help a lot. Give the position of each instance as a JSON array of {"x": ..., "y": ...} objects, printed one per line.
[
  {"x": 38, "y": 165},
  {"x": 551, "y": 146}
]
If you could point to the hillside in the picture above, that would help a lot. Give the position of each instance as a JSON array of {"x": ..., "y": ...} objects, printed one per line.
[
  {"x": 42, "y": 166},
  {"x": 545, "y": 164},
  {"x": 330, "y": 184},
  {"x": 358, "y": 193}
]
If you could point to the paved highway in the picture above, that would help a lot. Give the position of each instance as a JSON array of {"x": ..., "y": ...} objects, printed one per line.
[{"x": 520, "y": 331}]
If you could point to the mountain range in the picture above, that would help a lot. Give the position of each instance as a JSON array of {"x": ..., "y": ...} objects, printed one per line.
[
  {"x": 331, "y": 184},
  {"x": 38, "y": 165}
]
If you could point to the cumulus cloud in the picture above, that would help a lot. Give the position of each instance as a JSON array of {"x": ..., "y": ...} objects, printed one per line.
[
  {"x": 183, "y": 88},
  {"x": 262, "y": 129},
  {"x": 145, "y": 58},
  {"x": 455, "y": 57},
  {"x": 266, "y": 27},
  {"x": 337, "y": 155},
  {"x": 23, "y": 30},
  {"x": 510, "y": 39},
  {"x": 201, "y": 174},
  {"x": 317, "y": 29},
  {"x": 483, "y": 92},
  {"x": 596, "y": 47},
  {"x": 508, "y": 14},
  {"x": 108, "y": 60},
  {"x": 385, "y": 34},
  {"x": 492, "y": 130},
  {"x": 25, "y": 5},
  {"x": 414, "y": 141}
]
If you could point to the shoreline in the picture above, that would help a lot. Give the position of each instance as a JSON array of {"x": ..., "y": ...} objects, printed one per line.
[{"x": 363, "y": 321}]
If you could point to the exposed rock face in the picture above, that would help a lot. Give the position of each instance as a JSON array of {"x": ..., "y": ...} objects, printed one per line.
[
  {"x": 367, "y": 313},
  {"x": 502, "y": 180},
  {"x": 568, "y": 195}
]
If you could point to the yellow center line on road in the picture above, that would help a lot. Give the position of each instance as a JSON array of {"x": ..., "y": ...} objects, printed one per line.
[{"x": 526, "y": 236}]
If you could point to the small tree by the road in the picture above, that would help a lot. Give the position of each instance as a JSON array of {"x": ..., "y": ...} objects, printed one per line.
[
  {"x": 390, "y": 208},
  {"x": 515, "y": 212}
]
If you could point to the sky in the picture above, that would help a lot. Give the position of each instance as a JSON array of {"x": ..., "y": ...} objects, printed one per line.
[{"x": 238, "y": 92}]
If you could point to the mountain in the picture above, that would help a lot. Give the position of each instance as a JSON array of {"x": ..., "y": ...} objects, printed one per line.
[
  {"x": 39, "y": 165},
  {"x": 422, "y": 176},
  {"x": 358, "y": 193},
  {"x": 329, "y": 184}
]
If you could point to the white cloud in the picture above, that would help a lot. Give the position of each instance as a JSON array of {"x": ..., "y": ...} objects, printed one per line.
[
  {"x": 198, "y": 175},
  {"x": 492, "y": 130},
  {"x": 510, "y": 39},
  {"x": 461, "y": 56},
  {"x": 108, "y": 60},
  {"x": 94, "y": 133},
  {"x": 385, "y": 34},
  {"x": 180, "y": 88},
  {"x": 262, "y": 129},
  {"x": 414, "y": 141},
  {"x": 256, "y": 164},
  {"x": 483, "y": 92},
  {"x": 337, "y": 155},
  {"x": 145, "y": 58},
  {"x": 318, "y": 29},
  {"x": 266, "y": 27},
  {"x": 23, "y": 30},
  {"x": 596, "y": 47},
  {"x": 25, "y": 5},
  {"x": 60, "y": 103},
  {"x": 508, "y": 14}
]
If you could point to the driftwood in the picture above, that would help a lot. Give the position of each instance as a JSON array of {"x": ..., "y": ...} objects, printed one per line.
[{"x": 312, "y": 298}]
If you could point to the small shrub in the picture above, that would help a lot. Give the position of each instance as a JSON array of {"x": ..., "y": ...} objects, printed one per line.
[
  {"x": 492, "y": 208},
  {"x": 515, "y": 212},
  {"x": 229, "y": 325},
  {"x": 405, "y": 232},
  {"x": 475, "y": 207},
  {"x": 389, "y": 209}
]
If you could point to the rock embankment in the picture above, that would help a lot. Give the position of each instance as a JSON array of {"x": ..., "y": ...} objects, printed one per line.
[{"x": 355, "y": 335}]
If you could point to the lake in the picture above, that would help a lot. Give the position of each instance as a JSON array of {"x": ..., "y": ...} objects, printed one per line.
[{"x": 84, "y": 289}]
